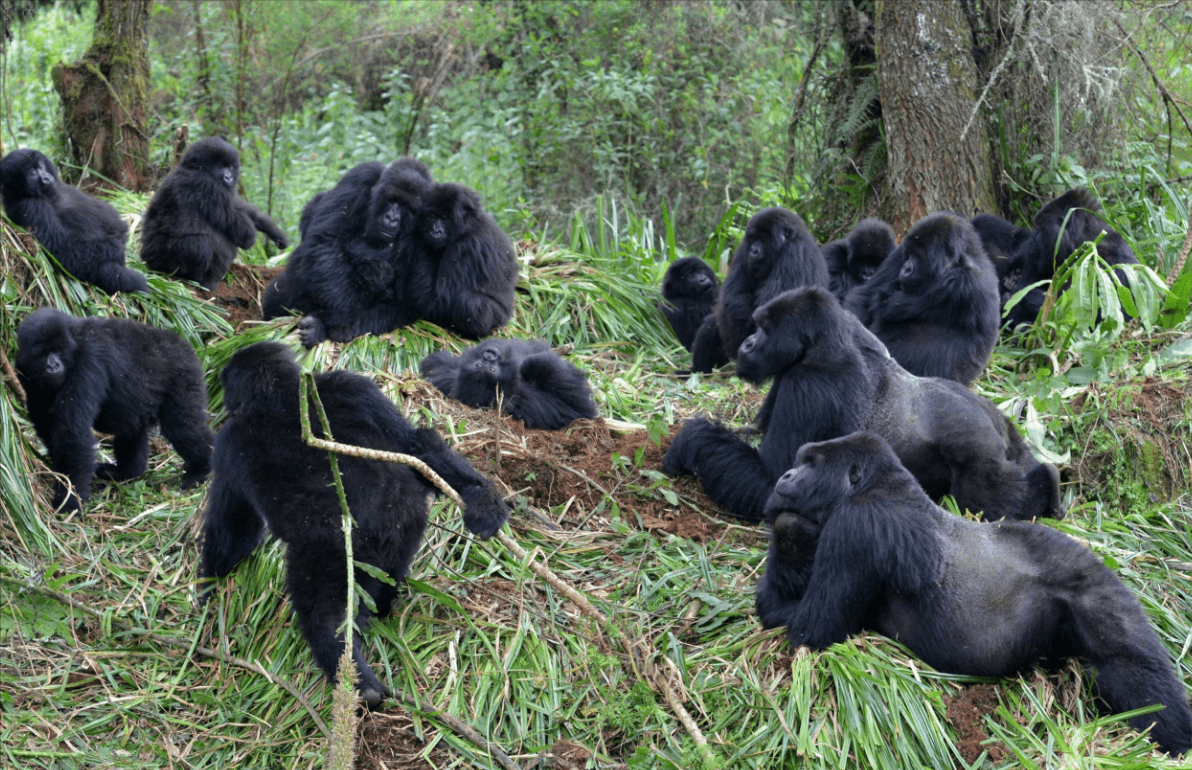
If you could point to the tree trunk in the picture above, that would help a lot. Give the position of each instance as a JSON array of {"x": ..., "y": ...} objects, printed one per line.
[
  {"x": 104, "y": 95},
  {"x": 927, "y": 81}
]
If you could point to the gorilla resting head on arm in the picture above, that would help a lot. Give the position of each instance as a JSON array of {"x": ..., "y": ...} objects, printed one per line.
[
  {"x": 934, "y": 302},
  {"x": 832, "y": 377},
  {"x": 85, "y": 234},
  {"x": 531, "y": 381},
  {"x": 689, "y": 292},
  {"x": 116, "y": 376},
  {"x": 265, "y": 473},
  {"x": 854, "y": 259},
  {"x": 195, "y": 222},
  {"x": 858, "y": 545}
]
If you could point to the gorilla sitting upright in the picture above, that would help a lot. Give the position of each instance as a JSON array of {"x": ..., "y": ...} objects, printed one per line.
[{"x": 858, "y": 545}]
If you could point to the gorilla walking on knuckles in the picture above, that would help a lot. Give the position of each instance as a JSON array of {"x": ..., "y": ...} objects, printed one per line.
[
  {"x": 833, "y": 377},
  {"x": 776, "y": 254},
  {"x": 463, "y": 272},
  {"x": 85, "y": 234},
  {"x": 348, "y": 273},
  {"x": 533, "y": 383},
  {"x": 265, "y": 474},
  {"x": 856, "y": 544},
  {"x": 116, "y": 376},
  {"x": 195, "y": 221}
]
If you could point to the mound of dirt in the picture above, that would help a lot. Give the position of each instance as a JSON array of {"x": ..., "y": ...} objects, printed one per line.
[{"x": 239, "y": 293}]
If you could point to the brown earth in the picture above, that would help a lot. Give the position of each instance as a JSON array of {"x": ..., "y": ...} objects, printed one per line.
[
  {"x": 965, "y": 712},
  {"x": 239, "y": 293}
]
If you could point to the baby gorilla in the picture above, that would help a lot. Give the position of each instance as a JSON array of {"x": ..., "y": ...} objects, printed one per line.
[
  {"x": 265, "y": 474},
  {"x": 858, "y": 545},
  {"x": 854, "y": 259},
  {"x": 689, "y": 293},
  {"x": 85, "y": 234},
  {"x": 120, "y": 377},
  {"x": 534, "y": 384}
]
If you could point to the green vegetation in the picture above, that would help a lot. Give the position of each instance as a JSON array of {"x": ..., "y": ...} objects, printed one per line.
[{"x": 106, "y": 660}]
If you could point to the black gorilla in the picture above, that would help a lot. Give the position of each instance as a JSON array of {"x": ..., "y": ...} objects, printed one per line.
[
  {"x": 120, "y": 377},
  {"x": 833, "y": 377},
  {"x": 689, "y": 292},
  {"x": 1053, "y": 241},
  {"x": 1001, "y": 241},
  {"x": 857, "y": 545},
  {"x": 854, "y": 259},
  {"x": 777, "y": 254},
  {"x": 533, "y": 383},
  {"x": 265, "y": 474},
  {"x": 195, "y": 222},
  {"x": 463, "y": 271},
  {"x": 934, "y": 302},
  {"x": 85, "y": 234},
  {"x": 348, "y": 272}
]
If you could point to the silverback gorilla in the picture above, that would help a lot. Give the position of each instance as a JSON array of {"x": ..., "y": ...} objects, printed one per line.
[
  {"x": 195, "y": 222},
  {"x": 119, "y": 377},
  {"x": 856, "y": 544},
  {"x": 85, "y": 234},
  {"x": 265, "y": 473},
  {"x": 833, "y": 377}
]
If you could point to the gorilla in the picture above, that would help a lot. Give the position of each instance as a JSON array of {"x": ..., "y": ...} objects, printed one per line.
[
  {"x": 463, "y": 271},
  {"x": 1001, "y": 241},
  {"x": 854, "y": 259},
  {"x": 85, "y": 234},
  {"x": 689, "y": 292},
  {"x": 531, "y": 381},
  {"x": 857, "y": 545},
  {"x": 1054, "y": 240},
  {"x": 195, "y": 222},
  {"x": 347, "y": 273},
  {"x": 264, "y": 474},
  {"x": 934, "y": 302},
  {"x": 776, "y": 254},
  {"x": 833, "y": 377},
  {"x": 116, "y": 376}
]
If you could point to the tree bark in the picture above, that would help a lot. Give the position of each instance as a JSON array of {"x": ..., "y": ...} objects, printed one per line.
[
  {"x": 927, "y": 81},
  {"x": 104, "y": 95}
]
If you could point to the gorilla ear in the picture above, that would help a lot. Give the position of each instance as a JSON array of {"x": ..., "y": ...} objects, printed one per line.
[{"x": 854, "y": 474}]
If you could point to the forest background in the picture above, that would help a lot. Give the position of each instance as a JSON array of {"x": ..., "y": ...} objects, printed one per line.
[{"x": 608, "y": 138}]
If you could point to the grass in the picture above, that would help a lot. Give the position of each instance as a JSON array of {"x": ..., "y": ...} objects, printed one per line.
[{"x": 106, "y": 659}]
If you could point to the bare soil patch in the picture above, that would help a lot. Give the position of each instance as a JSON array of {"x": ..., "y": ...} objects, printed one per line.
[
  {"x": 239, "y": 293},
  {"x": 965, "y": 713}
]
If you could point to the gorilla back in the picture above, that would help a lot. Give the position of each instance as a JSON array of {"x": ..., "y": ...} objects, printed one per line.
[
  {"x": 873, "y": 552},
  {"x": 265, "y": 473}
]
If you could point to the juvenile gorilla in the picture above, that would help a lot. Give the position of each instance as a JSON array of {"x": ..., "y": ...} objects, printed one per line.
[
  {"x": 857, "y": 545},
  {"x": 854, "y": 259},
  {"x": 85, "y": 234},
  {"x": 689, "y": 292},
  {"x": 348, "y": 273},
  {"x": 195, "y": 222},
  {"x": 934, "y": 302},
  {"x": 534, "y": 384},
  {"x": 119, "y": 377},
  {"x": 1053, "y": 241},
  {"x": 464, "y": 271},
  {"x": 777, "y": 254},
  {"x": 1001, "y": 241},
  {"x": 265, "y": 474},
  {"x": 833, "y": 377}
]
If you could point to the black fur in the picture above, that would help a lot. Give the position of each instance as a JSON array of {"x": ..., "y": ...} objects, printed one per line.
[
  {"x": 689, "y": 292},
  {"x": 85, "y": 234},
  {"x": 264, "y": 474},
  {"x": 348, "y": 272},
  {"x": 464, "y": 270},
  {"x": 858, "y": 545},
  {"x": 833, "y": 377},
  {"x": 1001, "y": 241},
  {"x": 195, "y": 222},
  {"x": 934, "y": 302},
  {"x": 119, "y": 377},
  {"x": 854, "y": 259},
  {"x": 776, "y": 254},
  {"x": 534, "y": 384},
  {"x": 1052, "y": 243}
]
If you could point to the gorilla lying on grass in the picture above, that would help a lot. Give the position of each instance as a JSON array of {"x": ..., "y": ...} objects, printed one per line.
[
  {"x": 265, "y": 474},
  {"x": 858, "y": 545}
]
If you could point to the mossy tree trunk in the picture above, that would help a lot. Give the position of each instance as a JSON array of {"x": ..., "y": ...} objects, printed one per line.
[
  {"x": 927, "y": 82},
  {"x": 104, "y": 95}
]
